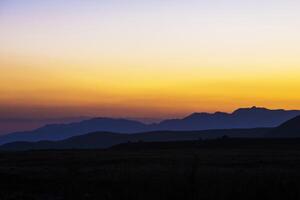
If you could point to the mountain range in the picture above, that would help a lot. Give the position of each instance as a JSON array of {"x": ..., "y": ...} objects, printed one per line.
[{"x": 242, "y": 118}]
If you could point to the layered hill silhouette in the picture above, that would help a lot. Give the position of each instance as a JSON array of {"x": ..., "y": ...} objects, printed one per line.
[
  {"x": 100, "y": 140},
  {"x": 291, "y": 128},
  {"x": 242, "y": 118},
  {"x": 56, "y": 132}
]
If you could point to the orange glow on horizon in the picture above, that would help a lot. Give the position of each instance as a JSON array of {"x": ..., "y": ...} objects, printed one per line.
[{"x": 148, "y": 59}]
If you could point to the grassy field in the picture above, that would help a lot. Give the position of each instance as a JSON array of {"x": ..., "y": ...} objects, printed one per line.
[{"x": 218, "y": 169}]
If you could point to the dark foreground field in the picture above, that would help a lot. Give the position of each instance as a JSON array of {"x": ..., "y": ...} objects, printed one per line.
[{"x": 218, "y": 169}]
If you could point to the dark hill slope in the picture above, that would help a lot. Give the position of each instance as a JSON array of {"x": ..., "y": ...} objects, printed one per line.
[{"x": 290, "y": 128}]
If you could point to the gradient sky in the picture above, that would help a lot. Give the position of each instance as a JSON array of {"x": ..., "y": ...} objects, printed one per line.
[{"x": 141, "y": 58}]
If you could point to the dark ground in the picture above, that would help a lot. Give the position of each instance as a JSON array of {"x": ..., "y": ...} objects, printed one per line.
[{"x": 218, "y": 169}]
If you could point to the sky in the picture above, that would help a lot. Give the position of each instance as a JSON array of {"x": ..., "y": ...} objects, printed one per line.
[{"x": 146, "y": 59}]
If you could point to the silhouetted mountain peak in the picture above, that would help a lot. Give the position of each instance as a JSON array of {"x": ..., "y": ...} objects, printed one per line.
[
  {"x": 221, "y": 113},
  {"x": 197, "y": 115},
  {"x": 253, "y": 109}
]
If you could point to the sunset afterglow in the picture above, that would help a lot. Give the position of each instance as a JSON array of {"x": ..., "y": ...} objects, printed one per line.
[{"x": 147, "y": 58}]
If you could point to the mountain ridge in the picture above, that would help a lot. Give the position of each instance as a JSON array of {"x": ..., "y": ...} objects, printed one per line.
[{"x": 254, "y": 117}]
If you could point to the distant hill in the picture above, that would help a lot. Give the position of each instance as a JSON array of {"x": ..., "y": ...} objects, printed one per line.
[
  {"x": 241, "y": 118},
  {"x": 56, "y": 132},
  {"x": 101, "y": 140},
  {"x": 291, "y": 128}
]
